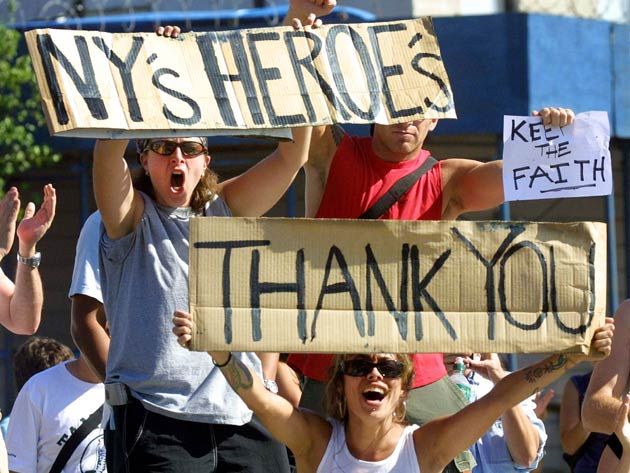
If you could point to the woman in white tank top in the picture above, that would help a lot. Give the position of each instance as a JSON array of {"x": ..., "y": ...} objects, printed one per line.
[{"x": 366, "y": 432}]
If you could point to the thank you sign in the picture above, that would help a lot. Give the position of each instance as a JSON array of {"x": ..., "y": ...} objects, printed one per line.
[{"x": 300, "y": 285}]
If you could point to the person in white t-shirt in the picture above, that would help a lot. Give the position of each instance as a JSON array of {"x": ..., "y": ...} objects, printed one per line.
[
  {"x": 366, "y": 395},
  {"x": 49, "y": 408}
]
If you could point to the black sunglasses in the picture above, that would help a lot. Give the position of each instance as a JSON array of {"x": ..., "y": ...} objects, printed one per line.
[
  {"x": 360, "y": 367},
  {"x": 167, "y": 147}
]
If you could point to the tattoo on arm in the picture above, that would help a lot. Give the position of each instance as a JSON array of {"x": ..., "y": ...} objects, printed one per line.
[
  {"x": 238, "y": 375},
  {"x": 534, "y": 374}
]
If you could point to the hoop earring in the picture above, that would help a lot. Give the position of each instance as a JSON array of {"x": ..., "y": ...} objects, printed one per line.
[{"x": 401, "y": 411}]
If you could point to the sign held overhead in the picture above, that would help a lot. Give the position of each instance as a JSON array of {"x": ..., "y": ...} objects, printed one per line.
[
  {"x": 544, "y": 162},
  {"x": 96, "y": 84},
  {"x": 337, "y": 286}
]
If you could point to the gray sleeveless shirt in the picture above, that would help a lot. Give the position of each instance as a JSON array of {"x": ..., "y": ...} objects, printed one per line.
[{"x": 144, "y": 277}]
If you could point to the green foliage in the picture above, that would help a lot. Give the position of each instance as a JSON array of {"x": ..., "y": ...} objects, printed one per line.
[{"x": 20, "y": 111}]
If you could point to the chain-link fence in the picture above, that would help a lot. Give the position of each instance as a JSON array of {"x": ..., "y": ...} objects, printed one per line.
[
  {"x": 27, "y": 10},
  {"x": 611, "y": 10},
  {"x": 21, "y": 11}
]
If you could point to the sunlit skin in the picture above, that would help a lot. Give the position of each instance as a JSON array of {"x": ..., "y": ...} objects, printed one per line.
[
  {"x": 354, "y": 387},
  {"x": 372, "y": 418},
  {"x": 168, "y": 191},
  {"x": 401, "y": 142},
  {"x": 371, "y": 431}
]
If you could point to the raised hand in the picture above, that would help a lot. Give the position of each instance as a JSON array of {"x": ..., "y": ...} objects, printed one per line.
[
  {"x": 601, "y": 343},
  {"x": 182, "y": 322},
  {"x": 489, "y": 366},
  {"x": 306, "y": 12},
  {"x": 555, "y": 116},
  {"x": 169, "y": 31},
  {"x": 34, "y": 225},
  {"x": 9, "y": 207}
]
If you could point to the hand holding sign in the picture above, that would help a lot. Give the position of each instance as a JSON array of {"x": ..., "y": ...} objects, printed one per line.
[{"x": 543, "y": 161}]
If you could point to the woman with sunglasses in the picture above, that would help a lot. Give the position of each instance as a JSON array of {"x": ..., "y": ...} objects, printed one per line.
[
  {"x": 366, "y": 403},
  {"x": 172, "y": 411}
]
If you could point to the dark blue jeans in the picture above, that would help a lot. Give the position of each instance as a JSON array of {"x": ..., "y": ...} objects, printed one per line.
[{"x": 143, "y": 441}]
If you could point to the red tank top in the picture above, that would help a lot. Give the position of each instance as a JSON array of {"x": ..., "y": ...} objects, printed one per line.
[{"x": 356, "y": 180}]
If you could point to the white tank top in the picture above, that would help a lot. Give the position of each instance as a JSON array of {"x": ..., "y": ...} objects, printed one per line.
[{"x": 338, "y": 459}]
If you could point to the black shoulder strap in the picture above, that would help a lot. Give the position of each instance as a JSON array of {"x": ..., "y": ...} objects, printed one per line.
[
  {"x": 75, "y": 439},
  {"x": 399, "y": 189}
]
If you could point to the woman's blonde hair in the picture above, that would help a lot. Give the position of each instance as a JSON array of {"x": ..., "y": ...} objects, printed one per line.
[
  {"x": 204, "y": 191},
  {"x": 336, "y": 396}
]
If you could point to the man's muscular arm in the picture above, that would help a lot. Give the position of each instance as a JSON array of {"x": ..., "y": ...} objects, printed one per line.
[
  {"x": 470, "y": 186},
  {"x": 610, "y": 378},
  {"x": 324, "y": 139}
]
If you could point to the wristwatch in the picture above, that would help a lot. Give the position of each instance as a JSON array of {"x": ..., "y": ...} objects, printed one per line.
[
  {"x": 270, "y": 385},
  {"x": 32, "y": 262}
]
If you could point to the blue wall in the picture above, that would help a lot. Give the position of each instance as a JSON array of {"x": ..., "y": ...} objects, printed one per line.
[
  {"x": 515, "y": 63},
  {"x": 485, "y": 60},
  {"x": 621, "y": 76}
]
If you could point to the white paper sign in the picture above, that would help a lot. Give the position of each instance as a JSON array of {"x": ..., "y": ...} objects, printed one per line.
[{"x": 544, "y": 162}]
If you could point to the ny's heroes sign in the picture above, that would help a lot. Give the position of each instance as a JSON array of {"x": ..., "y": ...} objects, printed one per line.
[
  {"x": 96, "y": 84},
  {"x": 330, "y": 286}
]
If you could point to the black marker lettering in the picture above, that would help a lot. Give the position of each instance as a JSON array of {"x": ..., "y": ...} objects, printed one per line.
[
  {"x": 368, "y": 69},
  {"x": 196, "y": 111},
  {"x": 515, "y": 230},
  {"x": 389, "y": 71},
  {"x": 548, "y": 136},
  {"x": 545, "y": 290},
  {"x": 597, "y": 169},
  {"x": 373, "y": 270},
  {"x": 415, "y": 63},
  {"x": 307, "y": 64},
  {"x": 581, "y": 329},
  {"x": 515, "y": 131},
  {"x": 563, "y": 149},
  {"x": 87, "y": 86},
  {"x": 265, "y": 74},
  {"x": 581, "y": 163},
  {"x": 347, "y": 286},
  {"x": 557, "y": 167},
  {"x": 516, "y": 176},
  {"x": 228, "y": 246},
  {"x": 538, "y": 173},
  {"x": 207, "y": 43},
  {"x": 419, "y": 291},
  {"x": 124, "y": 69},
  {"x": 256, "y": 288},
  {"x": 534, "y": 131}
]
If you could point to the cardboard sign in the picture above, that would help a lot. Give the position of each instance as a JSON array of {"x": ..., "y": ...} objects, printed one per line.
[
  {"x": 96, "y": 84},
  {"x": 542, "y": 162},
  {"x": 342, "y": 286}
]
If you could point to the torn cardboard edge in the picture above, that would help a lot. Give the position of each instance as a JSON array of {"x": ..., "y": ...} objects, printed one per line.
[
  {"x": 335, "y": 286},
  {"x": 239, "y": 79}
]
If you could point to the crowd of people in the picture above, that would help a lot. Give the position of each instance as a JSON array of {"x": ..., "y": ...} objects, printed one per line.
[{"x": 137, "y": 399}]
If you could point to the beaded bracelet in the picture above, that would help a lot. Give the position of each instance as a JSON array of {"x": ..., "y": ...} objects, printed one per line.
[{"x": 222, "y": 365}]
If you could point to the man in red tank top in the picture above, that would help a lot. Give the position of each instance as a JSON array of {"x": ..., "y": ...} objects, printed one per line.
[{"x": 346, "y": 175}]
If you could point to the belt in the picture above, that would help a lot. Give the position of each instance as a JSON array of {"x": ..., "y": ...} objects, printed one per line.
[{"x": 117, "y": 394}]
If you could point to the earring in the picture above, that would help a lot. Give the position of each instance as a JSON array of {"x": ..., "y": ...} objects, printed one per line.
[{"x": 146, "y": 172}]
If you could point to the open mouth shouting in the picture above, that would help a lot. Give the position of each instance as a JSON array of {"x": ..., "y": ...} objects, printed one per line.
[
  {"x": 177, "y": 181},
  {"x": 374, "y": 395}
]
